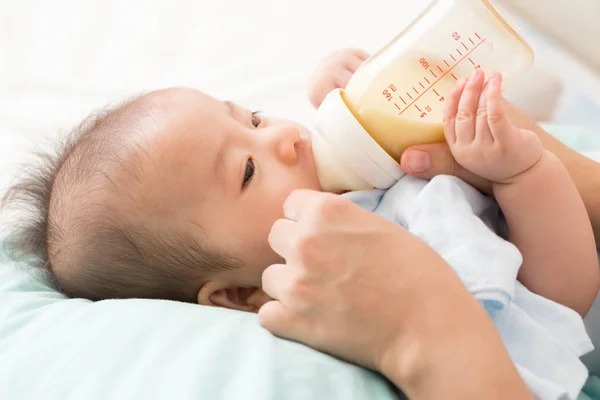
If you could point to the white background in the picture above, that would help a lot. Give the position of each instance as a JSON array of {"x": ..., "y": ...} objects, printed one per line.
[{"x": 62, "y": 59}]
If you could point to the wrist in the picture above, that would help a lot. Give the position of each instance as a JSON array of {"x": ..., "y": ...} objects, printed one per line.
[
  {"x": 448, "y": 337},
  {"x": 448, "y": 344},
  {"x": 466, "y": 359},
  {"x": 410, "y": 353},
  {"x": 542, "y": 167}
]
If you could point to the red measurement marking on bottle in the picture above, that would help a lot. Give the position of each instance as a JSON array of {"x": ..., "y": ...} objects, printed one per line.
[
  {"x": 448, "y": 72},
  {"x": 398, "y": 107},
  {"x": 416, "y": 91},
  {"x": 472, "y": 62},
  {"x": 440, "y": 68},
  {"x": 478, "y": 37},
  {"x": 418, "y": 108},
  {"x": 459, "y": 52},
  {"x": 471, "y": 40},
  {"x": 421, "y": 85},
  {"x": 447, "y": 63},
  {"x": 402, "y": 100},
  {"x": 427, "y": 80},
  {"x": 464, "y": 45}
]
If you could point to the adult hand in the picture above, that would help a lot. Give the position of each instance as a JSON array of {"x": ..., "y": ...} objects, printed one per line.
[
  {"x": 361, "y": 288},
  {"x": 350, "y": 281}
]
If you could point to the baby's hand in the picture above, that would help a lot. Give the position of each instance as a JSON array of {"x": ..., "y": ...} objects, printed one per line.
[
  {"x": 334, "y": 72},
  {"x": 481, "y": 136}
]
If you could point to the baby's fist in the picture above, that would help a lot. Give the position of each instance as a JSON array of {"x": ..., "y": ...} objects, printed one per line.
[{"x": 334, "y": 72}]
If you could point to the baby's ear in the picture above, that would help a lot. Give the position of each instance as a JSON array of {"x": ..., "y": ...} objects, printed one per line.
[{"x": 235, "y": 298}]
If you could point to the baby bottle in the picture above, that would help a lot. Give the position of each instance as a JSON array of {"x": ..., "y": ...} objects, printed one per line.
[{"x": 396, "y": 98}]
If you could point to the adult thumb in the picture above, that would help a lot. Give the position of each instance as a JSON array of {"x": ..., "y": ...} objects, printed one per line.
[{"x": 429, "y": 160}]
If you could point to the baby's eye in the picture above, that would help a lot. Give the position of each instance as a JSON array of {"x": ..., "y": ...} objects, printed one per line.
[
  {"x": 255, "y": 119},
  {"x": 249, "y": 173}
]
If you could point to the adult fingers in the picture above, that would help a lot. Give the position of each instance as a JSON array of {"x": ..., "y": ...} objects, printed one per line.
[
  {"x": 302, "y": 201},
  {"x": 282, "y": 237},
  {"x": 281, "y": 321}
]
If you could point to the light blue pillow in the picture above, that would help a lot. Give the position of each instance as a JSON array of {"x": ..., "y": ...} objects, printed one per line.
[
  {"x": 580, "y": 138},
  {"x": 54, "y": 348}
]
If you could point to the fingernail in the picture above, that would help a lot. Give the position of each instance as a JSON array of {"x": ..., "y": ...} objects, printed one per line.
[
  {"x": 475, "y": 74},
  {"x": 418, "y": 161},
  {"x": 495, "y": 85}
]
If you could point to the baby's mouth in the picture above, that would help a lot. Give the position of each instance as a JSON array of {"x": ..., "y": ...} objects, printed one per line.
[
  {"x": 305, "y": 156},
  {"x": 305, "y": 133},
  {"x": 302, "y": 148}
]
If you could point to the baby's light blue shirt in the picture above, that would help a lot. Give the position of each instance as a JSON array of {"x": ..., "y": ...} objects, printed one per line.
[{"x": 544, "y": 339}]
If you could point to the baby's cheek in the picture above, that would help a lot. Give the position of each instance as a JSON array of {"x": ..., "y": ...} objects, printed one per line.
[
  {"x": 278, "y": 191},
  {"x": 258, "y": 251},
  {"x": 271, "y": 201},
  {"x": 261, "y": 217}
]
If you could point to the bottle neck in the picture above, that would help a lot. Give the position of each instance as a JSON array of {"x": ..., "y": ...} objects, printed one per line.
[{"x": 344, "y": 149}]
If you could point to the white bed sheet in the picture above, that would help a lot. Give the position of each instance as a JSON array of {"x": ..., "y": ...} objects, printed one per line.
[{"x": 61, "y": 59}]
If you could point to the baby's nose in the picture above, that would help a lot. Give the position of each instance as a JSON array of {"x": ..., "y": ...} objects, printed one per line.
[{"x": 284, "y": 142}]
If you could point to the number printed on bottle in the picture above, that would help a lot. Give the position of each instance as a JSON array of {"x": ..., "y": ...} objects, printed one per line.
[{"x": 387, "y": 95}]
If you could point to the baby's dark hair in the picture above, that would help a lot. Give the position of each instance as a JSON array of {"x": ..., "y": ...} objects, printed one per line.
[{"x": 70, "y": 216}]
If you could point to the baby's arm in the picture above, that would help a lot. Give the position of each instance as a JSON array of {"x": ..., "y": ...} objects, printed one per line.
[
  {"x": 584, "y": 171},
  {"x": 546, "y": 218},
  {"x": 549, "y": 224}
]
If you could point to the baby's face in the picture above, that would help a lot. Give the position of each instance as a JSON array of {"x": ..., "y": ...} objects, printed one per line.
[{"x": 229, "y": 171}]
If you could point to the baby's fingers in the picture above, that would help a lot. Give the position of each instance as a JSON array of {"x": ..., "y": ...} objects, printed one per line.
[
  {"x": 356, "y": 58},
  {"x": 483, "y": 135},
  {"x": 451, "y": 109},
  {"x": 498, "y": 121},
  {"x": 341, "y": 77},
  {"x": 467, "y": 108}
]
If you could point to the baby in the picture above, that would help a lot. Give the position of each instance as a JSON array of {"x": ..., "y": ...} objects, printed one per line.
[
  {"x": 172, "y": 195},
  {"x": 173, "y": 192}
]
